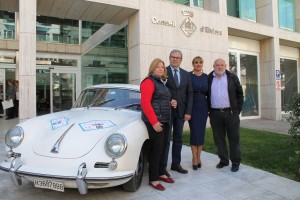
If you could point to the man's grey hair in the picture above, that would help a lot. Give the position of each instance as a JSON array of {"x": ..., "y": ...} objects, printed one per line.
[{"x": 176, "y": 51}]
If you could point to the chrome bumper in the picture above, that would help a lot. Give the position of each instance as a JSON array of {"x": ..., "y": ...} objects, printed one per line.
[{"x": 82, "y": 181}]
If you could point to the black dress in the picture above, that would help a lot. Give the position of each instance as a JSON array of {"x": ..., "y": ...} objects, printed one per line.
[{"x": 200, "y": 109}]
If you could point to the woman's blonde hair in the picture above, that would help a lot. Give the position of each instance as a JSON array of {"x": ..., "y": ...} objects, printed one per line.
[
  {"x": 197, "y": 58},
  {"x": 154, "y": 65}
]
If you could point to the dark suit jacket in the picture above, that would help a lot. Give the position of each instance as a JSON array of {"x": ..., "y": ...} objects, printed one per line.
[{"x": 183, "y": 94}]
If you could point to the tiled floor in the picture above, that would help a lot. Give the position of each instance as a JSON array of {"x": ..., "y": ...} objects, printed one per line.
[{"x": 207, "y": 183}]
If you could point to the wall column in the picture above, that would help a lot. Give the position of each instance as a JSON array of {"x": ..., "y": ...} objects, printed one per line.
[
  {"x": 270, "y": 93},
  {"x": 27, "y": 59}
]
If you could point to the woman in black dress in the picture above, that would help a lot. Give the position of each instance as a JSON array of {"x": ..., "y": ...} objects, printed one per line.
[{"x": 200, "y": 110}]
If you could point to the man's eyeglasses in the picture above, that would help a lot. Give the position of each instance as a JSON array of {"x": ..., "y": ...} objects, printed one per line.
[{"x": 175, "y": 58}]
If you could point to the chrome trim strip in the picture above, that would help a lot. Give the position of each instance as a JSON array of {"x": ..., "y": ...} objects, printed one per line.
[{"x": 55, "y": 148}]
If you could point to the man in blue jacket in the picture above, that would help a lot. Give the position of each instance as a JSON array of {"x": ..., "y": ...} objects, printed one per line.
[{"x": 180, "y": 86}]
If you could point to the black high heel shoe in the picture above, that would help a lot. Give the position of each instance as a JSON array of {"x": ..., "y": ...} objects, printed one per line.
[
  {"x": 199, "y": 165},
  {"x": 195, "y": 167}
]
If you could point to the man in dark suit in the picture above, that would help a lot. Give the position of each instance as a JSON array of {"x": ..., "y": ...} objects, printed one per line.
[{"x": 180, "y": 85}]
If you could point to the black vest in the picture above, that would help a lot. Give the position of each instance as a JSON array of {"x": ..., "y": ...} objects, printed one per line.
[{"x": 160, "y": 101}]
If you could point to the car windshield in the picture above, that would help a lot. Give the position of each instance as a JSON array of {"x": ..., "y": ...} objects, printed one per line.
[{"x": 109, "y": 97}]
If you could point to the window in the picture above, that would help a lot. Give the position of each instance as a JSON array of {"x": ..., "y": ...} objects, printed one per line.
[
  {"x": 286, "y": 12},
  {"x": 288, "y": 69},
  {"x": 244, "y": 9},
  {"x": 183, "y": 2},
  {"x": 56, "y": 30},
  {"x": 89, "y": 28},
  {"x": 7, "y": 25},
  {"x": 245, "y": 66},
  {"x": 196, "y": 3},
  {"x": 108, "y": 62},
  {"x": 247, "y": 10}
]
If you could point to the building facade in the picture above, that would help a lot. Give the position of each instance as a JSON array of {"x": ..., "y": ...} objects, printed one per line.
[{"x": 56, "y": 48}]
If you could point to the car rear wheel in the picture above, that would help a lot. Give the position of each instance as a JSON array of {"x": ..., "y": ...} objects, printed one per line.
[{"x": 133, "y": 184}]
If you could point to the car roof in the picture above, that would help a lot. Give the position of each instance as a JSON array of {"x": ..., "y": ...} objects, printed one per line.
[{"x": 116, "y": 85}]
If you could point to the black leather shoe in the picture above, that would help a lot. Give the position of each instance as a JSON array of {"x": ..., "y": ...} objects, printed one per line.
[
  {"x": 179, "y": 169},
  {"x": 235, "y": 168},
  {"x": 221, "y": 165}
]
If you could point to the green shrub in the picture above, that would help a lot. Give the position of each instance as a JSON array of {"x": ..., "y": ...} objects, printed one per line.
[{"x": 294, "y": 131}]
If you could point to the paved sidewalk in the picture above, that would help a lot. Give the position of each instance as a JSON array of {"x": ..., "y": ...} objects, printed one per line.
[
  {"x": 266, "y": 125},
  {"x": 207, "y": 183}
]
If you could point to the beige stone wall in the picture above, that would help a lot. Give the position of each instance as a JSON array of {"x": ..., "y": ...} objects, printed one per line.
[
  {"x": 270, "y": 98},
  {"x": 264, "y": 12},
  {"x": 148, "y": 39}
]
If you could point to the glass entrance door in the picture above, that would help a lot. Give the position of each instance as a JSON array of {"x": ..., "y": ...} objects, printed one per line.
[
  {"x": 245, "y": 66},
  {"x": 42, "y": 91},
  {"x": 63, "y": 90},
  {"x": 2, "y": 90}
]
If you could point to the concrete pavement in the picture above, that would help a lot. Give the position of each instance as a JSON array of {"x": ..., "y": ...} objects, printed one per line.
[{"x": 207, "y": 183}]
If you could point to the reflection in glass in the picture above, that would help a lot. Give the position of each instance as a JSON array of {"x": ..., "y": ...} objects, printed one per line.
[
  {"x": 233, "y": 63},
  {"x": 196, "y": 3},
  {"x": 108, "y": 62},
  {"x": 63, "y": 88},
  {"x": 8, "y": 59},
  {"x": 7, "y": 25},
  {"x": 245, "y": 66},
  {"x": 56, "y": 30},
  {"x": 289, "y": 81},
  {"x": 249, "y": 82},
  {"x": 109, "y": 97},
  {"x": 89, "y": 28},
  {"x": 244, "y": 9},
  {"x": 56, "y": 61},
  {"x": 247, "y": 9},
  {"x": 286, "y": 12},
  {"x": 42, "y": 91}
]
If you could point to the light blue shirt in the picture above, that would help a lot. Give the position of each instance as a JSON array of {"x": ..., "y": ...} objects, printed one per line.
[
  {"x": 219, "y": 92},
  {"x": 178, "y": 73}
]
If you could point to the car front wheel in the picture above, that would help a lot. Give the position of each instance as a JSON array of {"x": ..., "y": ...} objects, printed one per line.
[{"x": 133, "y": 184}]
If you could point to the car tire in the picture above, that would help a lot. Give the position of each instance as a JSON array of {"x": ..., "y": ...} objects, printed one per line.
[{"x": 134, "y": 184}]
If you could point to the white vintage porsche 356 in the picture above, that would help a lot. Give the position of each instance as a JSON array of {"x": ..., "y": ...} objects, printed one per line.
[{"x": 98, "y": 143}]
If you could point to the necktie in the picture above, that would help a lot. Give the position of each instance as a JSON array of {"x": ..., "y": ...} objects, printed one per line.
[{"x": 176, "y": 77}]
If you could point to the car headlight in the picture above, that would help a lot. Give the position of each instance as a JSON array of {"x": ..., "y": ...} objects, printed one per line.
[
  {"x": 14, "y": 137},
  {"x": 116, "y": 145}
]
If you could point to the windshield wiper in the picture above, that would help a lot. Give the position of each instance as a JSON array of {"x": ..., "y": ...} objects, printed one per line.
[
  {"x": 138, "y": 106},
  {"x": 101, "y": 103}
]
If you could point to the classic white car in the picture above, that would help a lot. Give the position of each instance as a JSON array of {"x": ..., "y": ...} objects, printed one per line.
[{"x": 98, "y": 143}]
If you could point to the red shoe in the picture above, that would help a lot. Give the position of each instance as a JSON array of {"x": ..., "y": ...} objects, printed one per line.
[
  {"x": 167, "y": 180},
  {"x": 158, "y": 187}
]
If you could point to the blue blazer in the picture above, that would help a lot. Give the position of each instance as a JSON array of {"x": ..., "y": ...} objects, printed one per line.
[{"x": 183, "y": 94}]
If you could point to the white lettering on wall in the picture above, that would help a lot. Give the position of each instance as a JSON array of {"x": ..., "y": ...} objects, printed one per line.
[{"x": 156, "y": 20}]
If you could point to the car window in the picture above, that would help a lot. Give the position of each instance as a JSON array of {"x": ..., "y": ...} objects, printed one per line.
[{"x": 109, "y": 97}]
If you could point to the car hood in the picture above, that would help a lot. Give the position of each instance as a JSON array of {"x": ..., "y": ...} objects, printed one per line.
[{"x": 73, "y": 133}]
